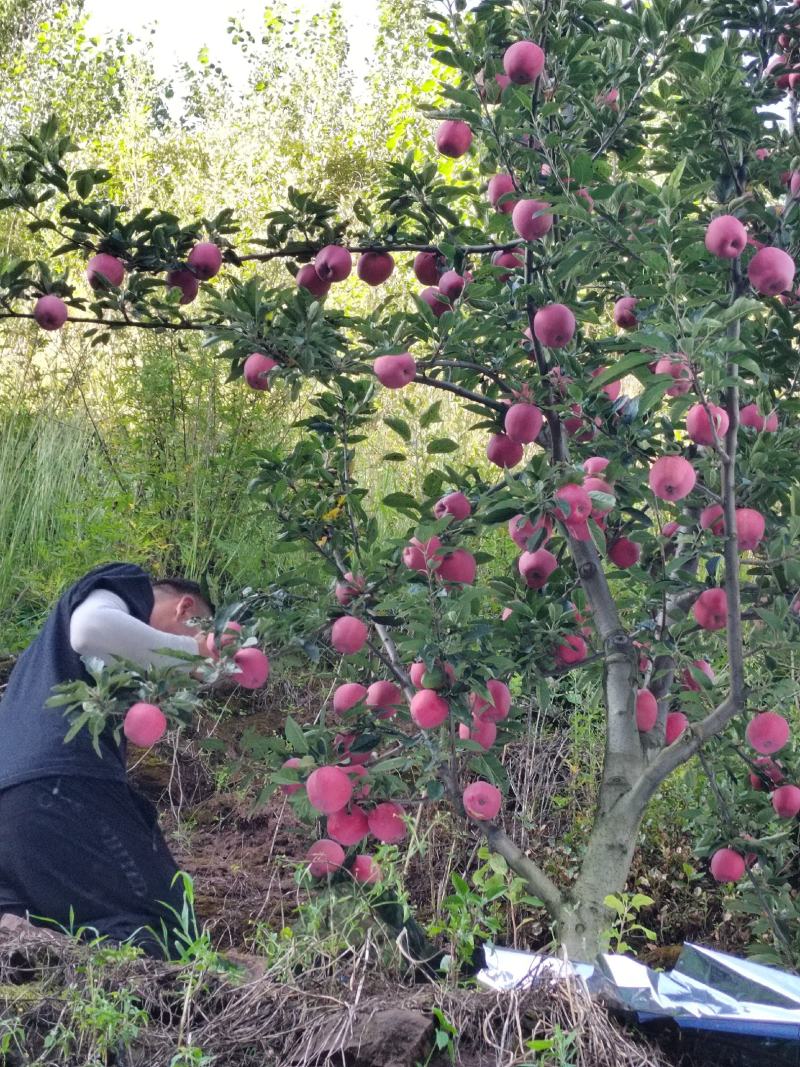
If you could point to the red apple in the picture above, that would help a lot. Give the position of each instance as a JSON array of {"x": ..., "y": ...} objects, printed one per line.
[
  {"x": 455, "y": 504},
  {"x": 767, "y": 732},
  {"x": 521, "y": 529},
  {"x": 530, "y": 219},
  {"x": 348, "y": 827},
  {"x": 786, "y": 801},
  {"x": 482, "y": 801},
  {"x": 625, "y": 314},
  {"x": 751, "y": 417},
  {"x": 771, "y": 271},
  {"x": 554, "y": 325},
  {"x": 292, "y": 762},
  {"x": 451, "y": 284},
  {"x": 624, "y": 553},
  {"x": 329, "y": 789},
  {"x": 500, "y": 704},
  {"x": 457, "y": 567},
  {"x": 346, "y": 696},
  {"x": 185, "y": 281},
  {"x": 750, "y": 527},
  {"x": 375, "y": 268},
  {"x": 257, "y": 369},
  {"x": 483, "y": 732},
  {"x": 502, "y": 451},
  {"x": 348, "y": 589},
  {"x": 523, "y": 423},
  {"x": 712, "y": 518},
  {"x": 252, "y": 668},
  {"x": 710, "y": 610},
  {"x": 308, "y": 279},
  {"x": 50, "y": 312},
  {"x": 672, "y": 478},
  {"x": 426, "y": 268},
  {"x": 613, "y": 389},
  {"x": 366, "y": 870},
  {"x": 572, "y": 649},
  {"x": 573, "y": 504},
  {"x": 690, "y": 682},
  {"x": 384, "y": 697},
  {"x": 507, "y": 259},
  {"x": 420, "y": 555},
  {"x": 144, "y": 724},
  {"x": 768, "y": 768},
  {"x": 453, "y": 138},
  {"x": 726, "y": 237},
  {"x": 395, "y": 372},
  {"x": 595, "y": 465},
  {"x": 386, "y": 822},
  {"x": 501, "y": 185},
  {"x": 699, "y": 425},
  {"x": 428, "y": 709},
  {"x": 333, "y": 263},
  {"x": 536, "y": 567},
  {"x": 677, "y": 366},
  {"x": 646, "y": 711},
  {"x": 727, "y": 865},
  {"x": 675, "y": 725},
  {"x": 104, "y": 268},
  {"x": 205, "y": 259},
  {"x": 523, "y": 62},
  {"x": 433, "y": 298},
  {"x": 348, "y": 635},
  {"x": 325, "y": 857}
]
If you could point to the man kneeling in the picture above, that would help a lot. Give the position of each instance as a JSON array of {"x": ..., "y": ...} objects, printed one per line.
[{"x": 77, "y": 844}]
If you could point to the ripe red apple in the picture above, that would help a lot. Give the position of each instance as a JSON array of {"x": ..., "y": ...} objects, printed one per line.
[
  {"x": 427, "y": 267},
  {"x": 428, "y": 709},
  {"x": 585, "y": 195},
  {"x": 227, "y": 638},
  {"x": 185, "y": 281},
  {"x": 257, "y": 369},
  {"x": 727, "y": 865},
  {"x": 536, "y": 567},
  {"x": 530, "y": 219},
  {"x": 346, "y": 696},
  {"x": 710, "y": 610},
  {"x": 205, "y": 259},
  {"x": 384, "y": 697},
  {"x": 483, "y": 732},
  {"x": 375, "y": 268},
  {"x": 457, "y": 567},
  {"x": 675, "y": 725},
  {"x": 440, "y": 677},
  {"x": 455, "y": 504},
  {"x": 348, "y": 635},
  {"x": 677, "y": 366},
  {"x": 356, "y": 771},
  {"x": 786, "y": 801},
  {"x": 599, "y": 485},
  {"x": 523, "y": 62},
  {"x": 501, "y": 185},
  {"x": 771, "y": 271},
  {"x": 554, "y": 325},
  {"x": 726, "y": 237},
  {"x": 453, "y": 138},
  {"x": 502, "y": 451},
  {"x": 253, "y": 668},
  {"x": 104, "y": 268},
  {"x": 395, "y": 372},
  {"x": 451, "y": 284},
  {"x": 366, "y": 870},
  {"x": 523, "y": 423},
  {"x": 625, "y": 314},
  {"x": 690, "y": 682},
  {"x": 767, "y": 732},
  {"x": 613, "y": 389},
  {"x": 669, "y": 529},
  {"x": 624, "y": 553},
  {"x": 347, "y": 590},
  {"x": 144, "y": 724},
  {"x": 308, "y": 279},
  {"x": 386, "y": 822},
  {"x": 712, "y": 518},
  {"x": 573, "y": 504},
  {"x": 343, "y": 746},
  {"x": 433, "y": 298},
  {"x": 573, "y": 649},
  {"x": 751, "y": 417},
  {"x": 609, "y": 99},
  {"x": 420, "y": 555},
  {"x": 292, "y": 762},
  {"x": 595, "y": 465},
  {"x": 672, "y": 478},
  {"x": 521, "y": 529},
  {"x": 750, "y": 527},
  {"x": 500, "y": 704},
  {"x": 769, "y": 769},
  {"x": 329, "y": 789},
  {"x": 699, "y": 425},
  {"x": 507, "y": 259},
  {"x": 646, "y": 711},
  {"x": 348, "y": 827},
  {"x": 333, "y": 263},
  {"x": 50, "y": 312},
  {"x": 325, "y": 857},
  {"x": 482, "y": 801}
]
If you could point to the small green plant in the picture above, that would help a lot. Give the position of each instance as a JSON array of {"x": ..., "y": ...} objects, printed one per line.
[
  {"x": 627, "y": 907},
  {"x": 190, "y": 1057},
  {"x": 560, "y": 1050},
  {"x": 444, "y": 1039}
]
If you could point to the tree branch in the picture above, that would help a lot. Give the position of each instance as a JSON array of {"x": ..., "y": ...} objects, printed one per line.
[
  {"x": 458, "y": 390},
  {"x": 535, "y": 878}
]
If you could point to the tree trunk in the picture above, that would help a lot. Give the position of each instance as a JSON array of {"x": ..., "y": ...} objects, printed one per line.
[{"x": 604, "y": 869}]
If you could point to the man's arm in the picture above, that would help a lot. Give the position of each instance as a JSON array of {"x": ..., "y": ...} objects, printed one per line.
[{"x": 102, "y": 626}]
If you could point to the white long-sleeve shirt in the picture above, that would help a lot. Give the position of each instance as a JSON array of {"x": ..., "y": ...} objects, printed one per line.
[{"x": 102, "y": 626}]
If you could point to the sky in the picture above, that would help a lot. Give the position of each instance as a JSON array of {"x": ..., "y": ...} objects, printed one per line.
[{"x": 183, "y": 27}]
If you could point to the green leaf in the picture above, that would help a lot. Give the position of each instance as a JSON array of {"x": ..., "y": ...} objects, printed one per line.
[
  {"x": 401, "y": 502},
  {"x": 432, "y": 415},
  {"x": 400, "y": 427},
  {"x": 441, "y": 445},
  {"x": 295, "y": 736}
]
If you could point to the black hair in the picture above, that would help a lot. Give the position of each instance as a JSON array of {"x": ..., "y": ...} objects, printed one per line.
[{"x": 183, "y": 585}]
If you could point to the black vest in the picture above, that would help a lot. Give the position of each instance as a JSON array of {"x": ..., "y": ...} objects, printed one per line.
[{"x": 32, "y": 735}]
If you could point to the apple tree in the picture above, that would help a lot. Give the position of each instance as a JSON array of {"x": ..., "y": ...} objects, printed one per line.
[{"x": 600, "y": 246}]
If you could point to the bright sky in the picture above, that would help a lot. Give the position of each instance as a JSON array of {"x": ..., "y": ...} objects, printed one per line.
[{"x": 183, "y": 27}]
